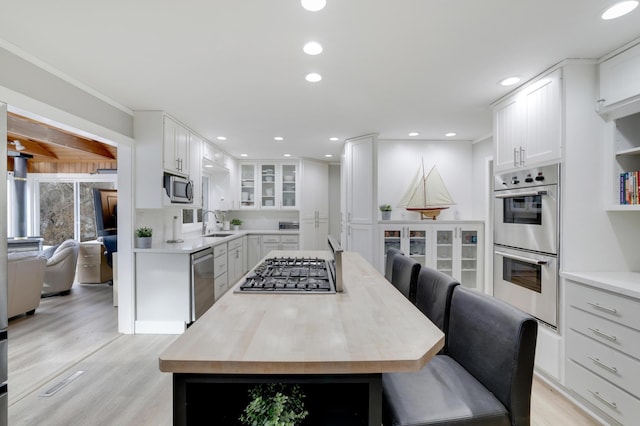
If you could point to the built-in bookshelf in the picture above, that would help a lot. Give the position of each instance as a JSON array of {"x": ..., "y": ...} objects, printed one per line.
[{"x": 626, "y": 164}]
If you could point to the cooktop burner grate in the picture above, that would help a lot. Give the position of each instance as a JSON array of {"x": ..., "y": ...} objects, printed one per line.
[{"x": 290, "y": 275}]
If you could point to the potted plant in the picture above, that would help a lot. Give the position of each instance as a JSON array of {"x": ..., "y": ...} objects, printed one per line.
[
  {"x": 385, "y": 209},
  {"x": 274, "y": 404},
  {"x": 143, "y": 237},
  {"x": 236, "y": 224}
]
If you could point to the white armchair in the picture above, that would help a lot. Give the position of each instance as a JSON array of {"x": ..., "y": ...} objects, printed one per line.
[
  {"x": 25, "y": 273},
  {"x": 60, "y": 271}
]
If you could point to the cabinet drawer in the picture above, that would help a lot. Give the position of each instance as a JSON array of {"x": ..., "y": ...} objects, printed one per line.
[
  {"x": 219, "y": 250},
  {"x": 289, "y": 239},
  {"x": 234, "y": 244},
  {"x": 90, "y": 254},
  {"x": 604, "y": 331},
  {"x": 221, "y": 285},
  {"x": 271, "y": 238},
  {"x": 616, "y": 403},
  {"x": 604, "y": 304},
  {"x": 614, "y": 366},
  {"x": 219, "y": 265}
]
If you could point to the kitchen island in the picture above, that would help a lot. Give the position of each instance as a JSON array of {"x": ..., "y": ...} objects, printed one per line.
[{"x": 347, "y": 338}]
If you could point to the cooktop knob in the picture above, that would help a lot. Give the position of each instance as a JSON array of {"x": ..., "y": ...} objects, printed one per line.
[
  {"x": 528, "y": 179},
  {"x": 514, "y": 180},
  {"x": 540, "y": 177}
]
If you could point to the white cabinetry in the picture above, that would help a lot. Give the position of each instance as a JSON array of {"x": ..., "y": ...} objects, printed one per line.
[
  {"x": 458, "y": 253},
  {"x": 454, "y": 249},
  {"x": 220, "y": 270},
  {"x": 254, "y": 251},
  {"x": 176, "y": 147},
  {"x": 603, "y": 350},
  {"x": 314, "y": 211},
  {"x": 235, "y": 264},
  {"x": 359, "y": 208},
  {"x": 619, "y": 82},
  {"x": 195, "y": 156},
  {"x": 162, "y": 145},
  {"x": 528, "y": 125},
  {"x": 269, "y": 186}
]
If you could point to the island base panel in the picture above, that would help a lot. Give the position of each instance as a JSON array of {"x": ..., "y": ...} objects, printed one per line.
[{"x": 330, "y": 399}]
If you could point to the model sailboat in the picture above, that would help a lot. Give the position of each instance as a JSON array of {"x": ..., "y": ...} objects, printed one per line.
[{"x": 427, "y": 194}]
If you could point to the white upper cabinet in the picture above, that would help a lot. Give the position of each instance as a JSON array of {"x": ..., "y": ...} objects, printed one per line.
[
  {"x": 620, "y": 81},
  {"x": 176, "y": 147},
  {"x": 195, "y": 155},
  {"x": 269, "y": 185},
  {"x": 528, "y": 125}
]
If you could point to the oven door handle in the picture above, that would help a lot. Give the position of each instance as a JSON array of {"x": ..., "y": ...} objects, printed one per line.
[
  {"x": 521, "y": 194},
  {"x": 522, "y": 258}
]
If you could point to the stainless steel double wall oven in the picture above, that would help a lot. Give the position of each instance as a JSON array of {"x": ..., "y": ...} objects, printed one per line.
[{"x": 526, "y": 240}]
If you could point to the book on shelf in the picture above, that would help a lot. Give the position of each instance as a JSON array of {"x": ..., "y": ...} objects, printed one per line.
[{"x": 629, "y": 182}]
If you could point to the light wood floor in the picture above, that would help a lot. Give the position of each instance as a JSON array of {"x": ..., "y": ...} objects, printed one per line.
[{"x": 121, "y": 383}]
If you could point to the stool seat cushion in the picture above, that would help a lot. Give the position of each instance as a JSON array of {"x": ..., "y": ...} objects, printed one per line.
[{"x": 442, "y": 393}]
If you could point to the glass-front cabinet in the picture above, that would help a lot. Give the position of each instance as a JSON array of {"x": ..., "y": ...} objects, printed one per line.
[
  {"x": 457, "y": 253},
  {"x": 247, "y": 185},
  {"x": 454, "y": 249},
  {"x": 412, "y": 240},
  {"x": 269, "y": 185}
]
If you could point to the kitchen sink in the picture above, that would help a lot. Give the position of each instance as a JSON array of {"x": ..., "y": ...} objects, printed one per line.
[{"x": 218, "y": 234}]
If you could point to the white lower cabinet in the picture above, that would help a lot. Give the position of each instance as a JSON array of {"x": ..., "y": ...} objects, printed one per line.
[
  {"x": 603, "y": 350},
  {"x": 454, "y": 249},
  {"x": 220, "y": 270},
  {"x": 235, "y": 266},
  {"x": 278, "y": 242},
  {"x": 254, "y": 251}
]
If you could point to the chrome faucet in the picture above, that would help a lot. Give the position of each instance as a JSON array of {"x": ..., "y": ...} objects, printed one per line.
[{"x": 204, "y": 222}]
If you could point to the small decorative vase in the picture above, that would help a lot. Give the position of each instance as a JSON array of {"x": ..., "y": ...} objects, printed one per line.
[
  {"x": 386, "y": 215},
  {"x": 143, "y": 242}
]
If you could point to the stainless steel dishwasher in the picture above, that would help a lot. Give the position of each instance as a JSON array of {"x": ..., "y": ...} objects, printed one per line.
[{"x": 202, "y": 288}]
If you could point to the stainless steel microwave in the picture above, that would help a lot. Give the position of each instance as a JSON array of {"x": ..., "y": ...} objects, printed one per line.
[{"x": 178, "y": 189}]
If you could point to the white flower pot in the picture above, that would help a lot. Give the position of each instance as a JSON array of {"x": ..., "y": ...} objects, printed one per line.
[{"x": 143, "y": 242}]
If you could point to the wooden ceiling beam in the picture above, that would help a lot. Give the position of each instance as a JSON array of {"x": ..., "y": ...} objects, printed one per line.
[
  {"x": 29, "y": 130},
  {"x": 33, "y": 148}
]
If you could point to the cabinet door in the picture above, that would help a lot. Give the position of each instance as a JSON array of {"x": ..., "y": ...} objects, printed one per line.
[
  {"x": 619, "y": 77},
  {"x": 268, "y": 247},
  {"x": 444, "y": 250},
  {"x": 508, "y": 131},
  {"x": 182, "y": 149},
  {"x": 288, "y": 186},
  {"x": 392, "y": 237},
  {"x": 195, "y": 154},
  {"x": 418, "y": 243},
  {"x": 268, "y": 179},
  {"x": 248, "y": 186},
  {"x": 543, "y": 137},
  {"x": 470, "y": 273},
  {"x": 254, "y": 251},
  {"x": 170, "y": 160}
]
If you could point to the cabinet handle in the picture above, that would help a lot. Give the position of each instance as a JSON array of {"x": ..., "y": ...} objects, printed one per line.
[
  {"x": 515, "y": 157},
  {"x": 603, "y": 308},
  {"x": 601, "y": 334},
  {"x": 521, "y": 156},
  {"x": 602, "y": 364},
  {"x": 601, "y": 100},
  {"x": 597, "y": 395}
]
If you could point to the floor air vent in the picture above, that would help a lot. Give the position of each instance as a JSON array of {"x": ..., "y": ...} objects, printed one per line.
[{"x": 64, "y": 382}]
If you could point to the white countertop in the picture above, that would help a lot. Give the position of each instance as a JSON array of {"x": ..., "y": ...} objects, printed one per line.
[
  {"x": 624, "y": 283},
  {"x": 192, "y": 242}
]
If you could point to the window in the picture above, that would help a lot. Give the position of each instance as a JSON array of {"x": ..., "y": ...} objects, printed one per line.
[{"x": 193, "y": 217}]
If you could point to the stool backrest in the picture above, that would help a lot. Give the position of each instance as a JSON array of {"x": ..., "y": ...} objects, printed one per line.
[{"x": 404, "y": 276}]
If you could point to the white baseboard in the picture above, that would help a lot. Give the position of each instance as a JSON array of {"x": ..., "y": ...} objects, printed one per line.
[{"x": 160, "y": 327}]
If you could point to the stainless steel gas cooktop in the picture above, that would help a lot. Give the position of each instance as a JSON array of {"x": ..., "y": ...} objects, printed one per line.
[{"x": 290, "y": 275}]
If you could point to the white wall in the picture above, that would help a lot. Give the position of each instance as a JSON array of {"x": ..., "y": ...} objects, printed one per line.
[
  {"x": 482, "y": 152},
  {"x": 399, "y": 160}
]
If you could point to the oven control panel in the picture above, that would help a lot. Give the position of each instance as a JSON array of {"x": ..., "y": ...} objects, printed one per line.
[{"x": 546, "y": 175}]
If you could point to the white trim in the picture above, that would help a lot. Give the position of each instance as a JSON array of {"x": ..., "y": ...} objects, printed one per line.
[{"x": 160, "y": 327}]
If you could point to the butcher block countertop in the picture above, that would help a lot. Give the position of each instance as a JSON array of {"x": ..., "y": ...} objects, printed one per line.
[{"x": 369, "y": 328}]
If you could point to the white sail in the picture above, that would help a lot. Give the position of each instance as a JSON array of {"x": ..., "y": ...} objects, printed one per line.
[{"x": 426, "y": 191}]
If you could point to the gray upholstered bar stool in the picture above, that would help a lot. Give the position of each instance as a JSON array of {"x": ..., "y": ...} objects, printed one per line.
[
  {"x": 388, "y": 267},
  {"x": 404, "y": 276}
]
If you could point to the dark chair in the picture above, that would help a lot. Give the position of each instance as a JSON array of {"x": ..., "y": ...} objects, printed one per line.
[
  {"x": 110, "y": 243},
  {"x": 485, "y": 377},
  {"x": 388, "y": 267},
  {"x": 404, "y": 276},
  {"x": 433, "y": 296}
]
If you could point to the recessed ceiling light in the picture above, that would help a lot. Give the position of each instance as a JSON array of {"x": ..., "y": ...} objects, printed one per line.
[
  {"x": 243, "y": 155},
  {"x": 313, "y": 77},
  {"x": 221, "y": 138},
  {"x": 619, "y": 9},
  {"x": 509, "y": 81},
  {"x": 414, "y": 134},
  {"x": 312, "y": 48},
  {"x": 328, "y": 155},
  {"x": 334, "y": 139},
  {"x": 208, "y": 166},
  {"x": 287, "y": 155},
  {"x": 278, "y": 138},
  {"x": 450, "y": 134},
  {"x": 313, "y": 5}
]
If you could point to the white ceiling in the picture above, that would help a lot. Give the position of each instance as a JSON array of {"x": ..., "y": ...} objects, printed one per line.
[{"x": 236, "y": 67}]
